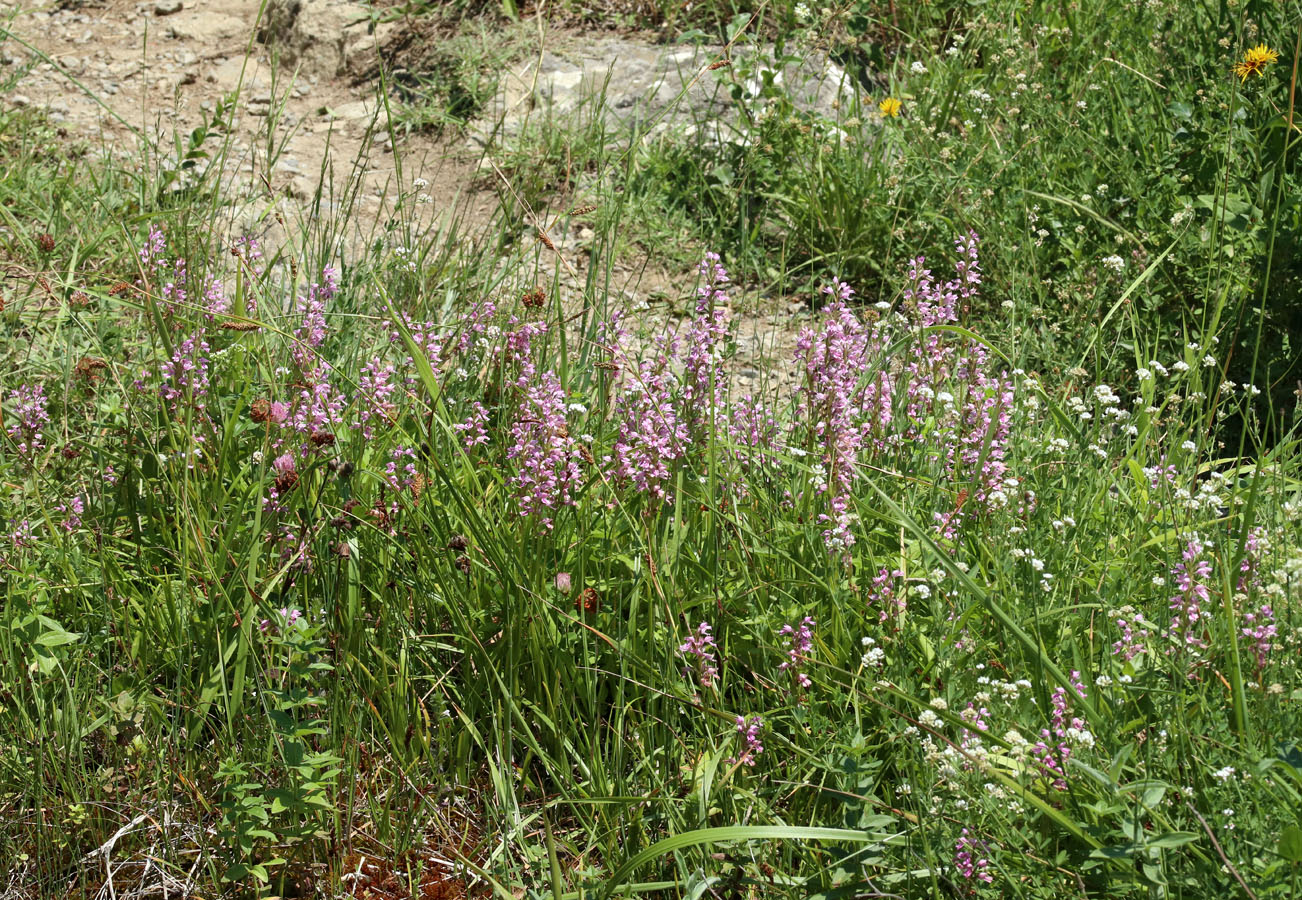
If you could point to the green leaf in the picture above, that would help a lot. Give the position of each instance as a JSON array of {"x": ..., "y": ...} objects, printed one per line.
[
  {"x": 1171, "y": 839},
  {"x": 1290, "y": 844},
  {"x": 730, "y": 833}
]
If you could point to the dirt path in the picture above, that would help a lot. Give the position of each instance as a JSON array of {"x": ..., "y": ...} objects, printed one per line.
[{"x": 118, "y": 70}]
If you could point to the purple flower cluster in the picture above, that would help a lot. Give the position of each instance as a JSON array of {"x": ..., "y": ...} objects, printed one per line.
[
  {"x": 1053, "y": 749},
  {"x": 28, "y": 416},
  {"x": 699, "y": 649},
  {"x": 890, "y": 602},
  {"x": 289, "y": 617},
  {"x": 311, "y": 332},
  {"x": 1260, "y": 628},
  {"x": 858, "y": 399},
  {"x": 547, "y": 457},
  {"x": 375, "y": 390},
  {"x": 967, "y": 859},
  {"x": 799, "y": 644},
  {"x": 652, "y": 436},
  {"x": 400, "y": 471},
  {"x": 835, "y": 400},
  {"x": 703, "y": 381},
  {"x": 184, "y": 379},
  {"x": 1191, "y": 576},
  {"x": 1134, "y": 634},
  {"x": 754, "y": 433},
  {"x": 749, "y": 729},
  {"x": 474, "y": 429},
  {"x": 72, "y": 513}
]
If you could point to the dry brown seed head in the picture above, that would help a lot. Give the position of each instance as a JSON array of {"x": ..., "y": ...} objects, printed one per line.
[{"x": 589, "y": 601}]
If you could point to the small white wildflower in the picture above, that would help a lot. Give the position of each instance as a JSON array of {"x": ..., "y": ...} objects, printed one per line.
[
  {"x": 1105, "y": 394},
  {"x": 917, "y": 68}
]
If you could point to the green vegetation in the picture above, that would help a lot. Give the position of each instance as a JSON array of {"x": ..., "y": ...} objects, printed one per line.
[{"x": 431, "y": 573}]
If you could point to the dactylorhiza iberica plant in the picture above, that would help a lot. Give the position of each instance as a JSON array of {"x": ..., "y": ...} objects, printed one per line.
[
  {"x": 652, "y": 435},
  {"x": 28, "y": 416},
  {"x": 698, "y": 651},
  {"x": 968, "y": 861},
  {"x": 1054, "y": 748},
  {"x": 748, "y": 730},
  {"x": 547, "y": 458},
  {"x": 871, "y": 387},
  {"x": 1191, "y": 575},
  {"x": 798, "y": 640}
]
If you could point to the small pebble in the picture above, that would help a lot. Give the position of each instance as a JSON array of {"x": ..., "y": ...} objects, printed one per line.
[{"x": 167, "y": 7}]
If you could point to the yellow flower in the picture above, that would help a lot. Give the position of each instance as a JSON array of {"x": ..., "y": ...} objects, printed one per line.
[
  {"x": 1254, "y": 62},
  {"x": 889, "y": 107}
]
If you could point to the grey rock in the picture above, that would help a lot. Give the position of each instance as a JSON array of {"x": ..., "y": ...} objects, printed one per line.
[
  {"x": 205, "y": 26},
  {"x": 167, "y": 7},
  {"x": 313, "y": 35},
  {"x": 639, "y": 87},
  {"x": 20, "y": 100}
]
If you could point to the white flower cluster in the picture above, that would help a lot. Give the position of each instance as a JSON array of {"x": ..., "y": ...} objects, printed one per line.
[{"x": 873, "y": 656}]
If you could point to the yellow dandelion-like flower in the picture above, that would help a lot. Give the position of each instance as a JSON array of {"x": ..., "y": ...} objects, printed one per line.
[
  {"x": 890, "y": 107},
  {"x": 1254, "y": 62}
]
